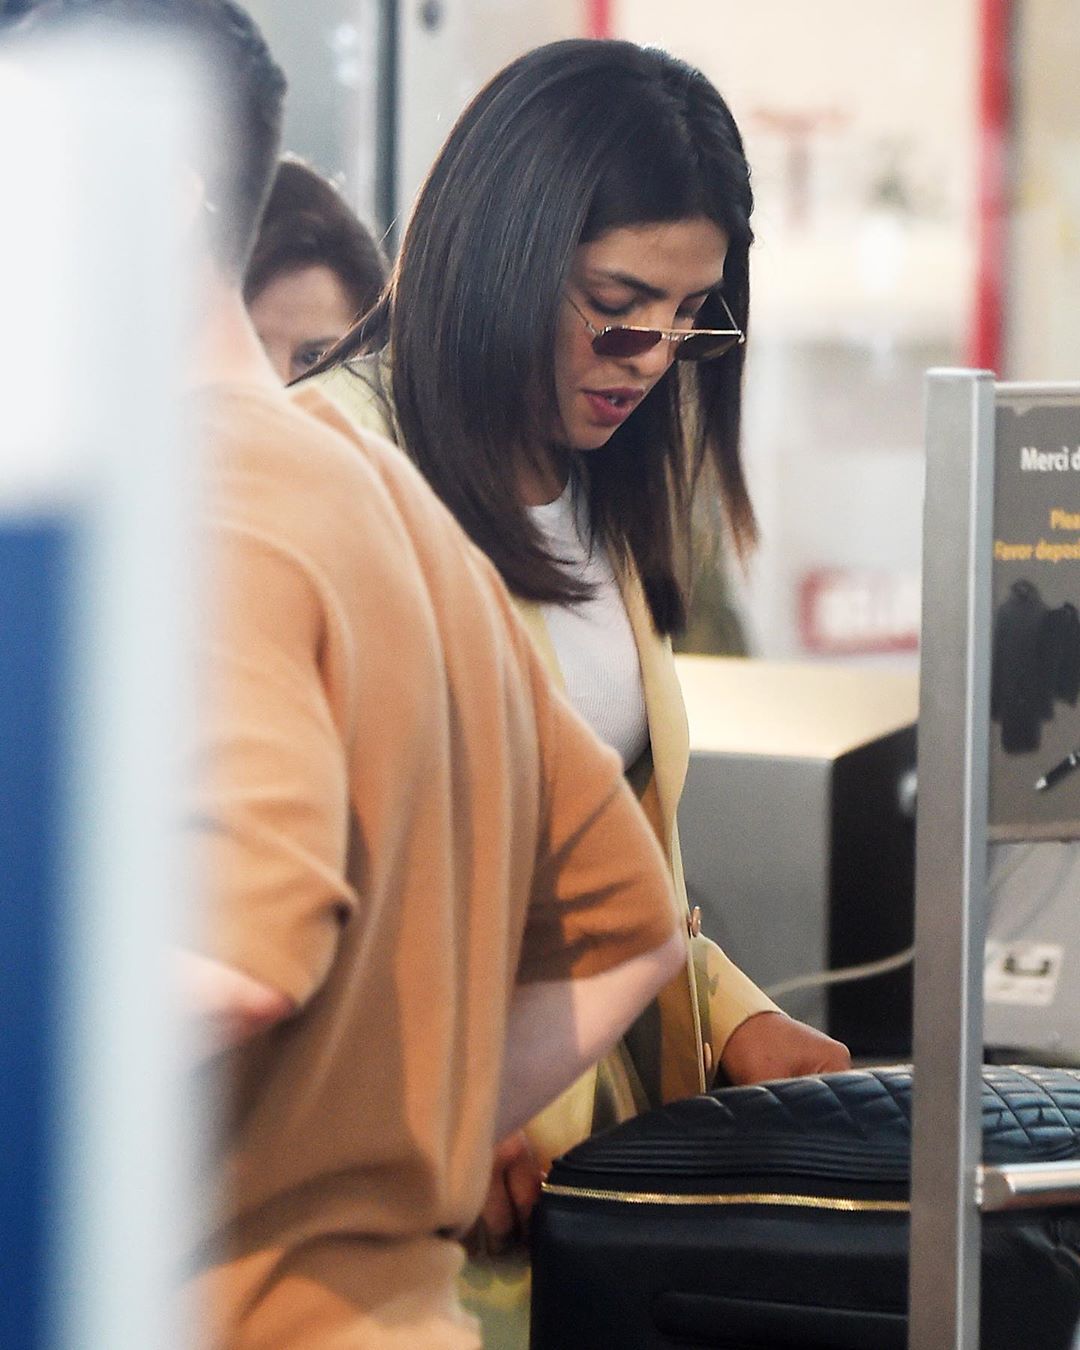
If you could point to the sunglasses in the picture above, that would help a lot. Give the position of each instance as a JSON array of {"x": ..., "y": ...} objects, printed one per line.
[{"x": 691, "y": 344}]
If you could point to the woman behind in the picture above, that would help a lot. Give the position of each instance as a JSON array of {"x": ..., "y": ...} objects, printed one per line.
[
  {"x": 314, "y": 270},
  {"x": 560, "y": 351}
]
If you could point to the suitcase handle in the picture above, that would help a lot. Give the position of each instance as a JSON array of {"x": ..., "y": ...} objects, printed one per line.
[{"x": 1035, "y": 1185}]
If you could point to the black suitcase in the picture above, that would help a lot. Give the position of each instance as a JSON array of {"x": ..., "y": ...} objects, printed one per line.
[{"x": 775, "y": 1217}]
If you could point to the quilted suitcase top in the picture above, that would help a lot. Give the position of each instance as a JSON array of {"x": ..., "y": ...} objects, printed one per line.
[{"x": 843, "y": 1127}]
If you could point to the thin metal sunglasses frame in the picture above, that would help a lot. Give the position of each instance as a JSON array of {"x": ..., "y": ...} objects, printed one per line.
[{"x": 678, "y": 336}]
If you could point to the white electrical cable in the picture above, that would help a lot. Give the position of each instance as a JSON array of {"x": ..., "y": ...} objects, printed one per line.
[
  {"x": 846, "y": 974},
  {"x": 843, "y": 975}
]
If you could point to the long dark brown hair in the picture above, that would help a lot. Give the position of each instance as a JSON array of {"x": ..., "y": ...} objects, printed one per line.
[{"x": 569, "y": 141}]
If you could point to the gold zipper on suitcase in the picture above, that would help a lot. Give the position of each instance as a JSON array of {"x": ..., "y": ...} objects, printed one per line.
[{"x": 745, "y": 1198}]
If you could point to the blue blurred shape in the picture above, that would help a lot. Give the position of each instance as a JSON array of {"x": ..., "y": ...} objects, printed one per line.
[{"x": 34, "y": 556}]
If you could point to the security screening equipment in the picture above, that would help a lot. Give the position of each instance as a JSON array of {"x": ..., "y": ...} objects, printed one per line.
[{"x": 797, "y": 826}]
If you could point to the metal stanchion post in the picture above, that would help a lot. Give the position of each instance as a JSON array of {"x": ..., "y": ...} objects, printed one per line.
[{"x": 951, "y": 861}]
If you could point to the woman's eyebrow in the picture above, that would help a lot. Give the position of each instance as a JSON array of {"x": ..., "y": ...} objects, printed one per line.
[{"x": 647, "y": 290}]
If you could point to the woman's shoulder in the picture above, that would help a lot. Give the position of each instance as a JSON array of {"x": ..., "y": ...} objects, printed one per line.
[{"x": 360, "y": 387}]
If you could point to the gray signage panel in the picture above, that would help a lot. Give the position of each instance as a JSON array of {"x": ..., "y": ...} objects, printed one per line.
[{"x": 1035, "y": 676}]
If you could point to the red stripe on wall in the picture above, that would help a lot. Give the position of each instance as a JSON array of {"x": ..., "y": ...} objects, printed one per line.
[
  {"x": 598, "y": 18},
  {"x": 988, "y": 312}
]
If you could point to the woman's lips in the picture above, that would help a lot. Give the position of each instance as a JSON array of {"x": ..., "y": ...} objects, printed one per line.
[{"x": 611, "y": 407}]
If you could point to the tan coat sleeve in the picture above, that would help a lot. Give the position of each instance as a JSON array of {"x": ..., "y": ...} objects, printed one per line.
[
  {"x": 271, "y": 794},
  {"x": 726, "y": 996}
]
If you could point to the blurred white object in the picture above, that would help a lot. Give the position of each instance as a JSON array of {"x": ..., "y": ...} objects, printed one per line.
[{"x": 93, "y": 139}]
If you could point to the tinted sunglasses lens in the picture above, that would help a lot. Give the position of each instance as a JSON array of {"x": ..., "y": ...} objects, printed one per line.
[
  {"x": 625, "y": 341},
  {"x": 705, "y": 346}
]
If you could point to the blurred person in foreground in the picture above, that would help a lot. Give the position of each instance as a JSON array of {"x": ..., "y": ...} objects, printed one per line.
[
  {"x": 433, "y": 901},
  {"x": 315, "y": 268},
  {"x": 560, "y": 351}
]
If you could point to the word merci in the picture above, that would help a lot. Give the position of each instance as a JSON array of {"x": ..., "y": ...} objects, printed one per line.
[
  {"x": 1034, "y": 460},
  {"x": 1045, "y": 550}
]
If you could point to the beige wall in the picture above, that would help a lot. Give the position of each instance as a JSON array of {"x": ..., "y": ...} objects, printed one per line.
[
  {"x": 1043, "y": 290},
  {"x": 885, "y": 243},
  {"x": 854, "y": 294},
  {"x": 910, "y": 70}
]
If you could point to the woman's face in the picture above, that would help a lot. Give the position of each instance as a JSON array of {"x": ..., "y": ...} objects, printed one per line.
[
  {"x": 298, "y": 315},
  {"x": 645, "y": 276}
]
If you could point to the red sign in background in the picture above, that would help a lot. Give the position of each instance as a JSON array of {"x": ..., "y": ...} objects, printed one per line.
[{"x": 851, "y": 612}]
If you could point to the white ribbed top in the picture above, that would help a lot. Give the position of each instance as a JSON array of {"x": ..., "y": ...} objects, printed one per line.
[{"x": 593, "y": 639}]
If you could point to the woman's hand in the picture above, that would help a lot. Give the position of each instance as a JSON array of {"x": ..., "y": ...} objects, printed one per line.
[
  {"x": 773, "y": 1045},
  {"x": 513, "y": 1191}
]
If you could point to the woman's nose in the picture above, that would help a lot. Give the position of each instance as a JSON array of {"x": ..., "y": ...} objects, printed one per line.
[{"x": 654, "y": 361}]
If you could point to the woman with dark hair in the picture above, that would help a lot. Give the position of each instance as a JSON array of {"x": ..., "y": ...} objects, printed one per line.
[
  {"x": 560, "y": 351},
  {"x": 314, "y": 270}
]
